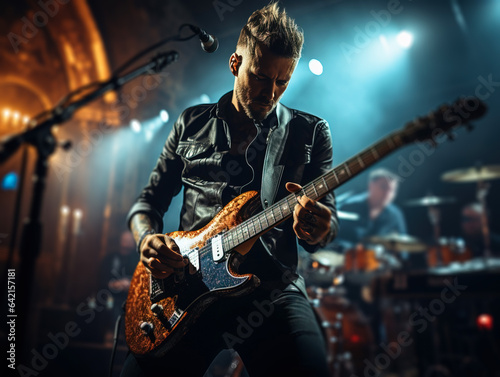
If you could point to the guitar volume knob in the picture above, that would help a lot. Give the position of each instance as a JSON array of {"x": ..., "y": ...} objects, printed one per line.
[
  {"x": 147, "y": 328},
  {"x": 157, "y": 310}
]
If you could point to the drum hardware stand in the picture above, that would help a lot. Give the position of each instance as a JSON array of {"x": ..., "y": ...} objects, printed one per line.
[
  {"x": 341, "y": 361},
  {"x": 481, "y": 193},
  {"x": 434, "y": 218}
]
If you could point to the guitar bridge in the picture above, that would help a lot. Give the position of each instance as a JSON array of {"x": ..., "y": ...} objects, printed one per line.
[{"x": 175, "y": 317}]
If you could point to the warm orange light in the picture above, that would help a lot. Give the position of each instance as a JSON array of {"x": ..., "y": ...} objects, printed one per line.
[
  {"x": 78, "y": 213},
  {"x": 26, "y": 119},
  {"x": 6, "y": 113},
  {"x": 315, "y": 264}
]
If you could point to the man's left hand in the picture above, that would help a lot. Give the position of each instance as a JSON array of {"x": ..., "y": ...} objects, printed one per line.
[{"x": 311, "y": 219}]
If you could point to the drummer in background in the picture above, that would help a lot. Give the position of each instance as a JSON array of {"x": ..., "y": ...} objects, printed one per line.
[
  {"x": 378, "y": 216},
  {"x": 472, "y": 231}
]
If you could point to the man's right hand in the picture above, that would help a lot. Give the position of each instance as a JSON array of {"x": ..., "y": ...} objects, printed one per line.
[{"x": 161, "y": 256}]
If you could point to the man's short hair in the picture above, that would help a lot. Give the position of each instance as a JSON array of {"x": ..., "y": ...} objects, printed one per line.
[
  {"x": 271, "y": 27},
  {"x": 383, "y": 173}
]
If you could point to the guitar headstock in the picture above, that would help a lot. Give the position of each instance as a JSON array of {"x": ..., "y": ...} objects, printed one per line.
[{"x": 444, "y": 120}]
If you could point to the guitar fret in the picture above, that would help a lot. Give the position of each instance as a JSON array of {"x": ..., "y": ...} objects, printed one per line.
[
  {"x": 257, "y": 225},
  {"x": 285, "y": 209},
  {"x": 340, "y": 175},
  {"x": 336, "y": 176},
  {"x": 346, "y": 165},
  {"x": 225, "y": 242},
  {"x": 251, "y": 227},
  {"x": 241, "y": 235},
  {"x": 389, "y": 140},
  {"x": 361, "y": 162},
  {"x": 307, "y": 191},
  {"x": 375, "y": 153},
  {"x": 291, "y": 205},
  {"x": 281, "y": 212},
  {"x": 325, "y": 184},
  {"x": 272, "y": 214},
  {"x": 315, "y": 191},
  {"x": 264, "y": 218},
  {"x": 277, "y": 213},
  {"x": 397, "y": 140}
]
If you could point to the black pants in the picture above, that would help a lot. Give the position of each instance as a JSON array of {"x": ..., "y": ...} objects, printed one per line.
[{"x": 275, "y": 333}]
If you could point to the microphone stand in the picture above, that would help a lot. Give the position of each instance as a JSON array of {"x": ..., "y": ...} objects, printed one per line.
[{"x": 40, "y": 136}]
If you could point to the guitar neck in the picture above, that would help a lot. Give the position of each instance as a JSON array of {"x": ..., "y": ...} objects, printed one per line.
[{"x": 317, "y": 189}]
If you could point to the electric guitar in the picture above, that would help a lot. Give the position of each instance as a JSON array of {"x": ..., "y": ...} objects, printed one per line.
[{"x": 160, "y": 311}]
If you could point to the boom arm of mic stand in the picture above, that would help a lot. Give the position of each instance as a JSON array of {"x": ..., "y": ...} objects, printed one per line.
[
  {"x": 10, "y": 144},
  {"x": 41, "y": 137}
]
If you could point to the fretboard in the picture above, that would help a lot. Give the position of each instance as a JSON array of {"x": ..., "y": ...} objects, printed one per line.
[{"x": 317, "y": 189}]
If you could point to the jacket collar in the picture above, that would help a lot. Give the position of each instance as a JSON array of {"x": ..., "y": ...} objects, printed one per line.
[{"x": 279, "y": 117}]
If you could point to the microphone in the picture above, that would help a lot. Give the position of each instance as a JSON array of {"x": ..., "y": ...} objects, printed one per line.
[{"x": 208, "y": 42}]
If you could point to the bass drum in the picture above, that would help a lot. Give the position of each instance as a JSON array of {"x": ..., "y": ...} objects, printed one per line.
[{"x": 347, "y": 333}]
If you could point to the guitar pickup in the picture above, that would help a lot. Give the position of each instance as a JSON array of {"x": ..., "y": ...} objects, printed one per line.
[
  {"x": 194, "y": 260},
  {"x": 217, "y": 249}
]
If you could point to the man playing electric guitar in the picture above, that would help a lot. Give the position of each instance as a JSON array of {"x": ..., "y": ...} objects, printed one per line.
[{"x": 246, "y": 141}]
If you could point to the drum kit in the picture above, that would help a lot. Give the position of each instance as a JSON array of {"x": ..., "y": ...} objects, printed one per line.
[{"x": 326, "y": 272}]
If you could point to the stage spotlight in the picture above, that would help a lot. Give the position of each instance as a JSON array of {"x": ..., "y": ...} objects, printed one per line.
[
  {"x": 9, "y": 181},
  {"x": 384, "y": 43},
  {"x": 204, "y": 98},
  {"x": 164, "y": 116},
  {"x": 135, "y": 125},
  {"x": 316, "y": 67},
  {"x": 405, "y": 39},
  {"x": 78, "y": 214}
]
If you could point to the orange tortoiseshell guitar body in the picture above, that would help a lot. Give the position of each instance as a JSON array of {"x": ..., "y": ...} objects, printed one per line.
[{"x": 180, "y": 300}]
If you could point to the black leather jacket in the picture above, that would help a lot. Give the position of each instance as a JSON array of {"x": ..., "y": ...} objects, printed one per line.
[{"x": 298, "y": 149}]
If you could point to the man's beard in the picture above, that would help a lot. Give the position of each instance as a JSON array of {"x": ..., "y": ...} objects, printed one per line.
[{"x": 244, "y": 100}]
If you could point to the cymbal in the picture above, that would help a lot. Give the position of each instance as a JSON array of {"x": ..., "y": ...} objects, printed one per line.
[
  {"x": 399, "y": 242},
  {"x": 328, "y": 258},
  {"x": 347, "y": 215},
  {"x": 483, "y": 173},
  {"x": 430, "y": 200}
]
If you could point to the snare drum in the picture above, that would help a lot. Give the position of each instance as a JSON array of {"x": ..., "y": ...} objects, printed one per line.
[
  {"x": 360, "y": 259},
  {"x": 321, "y": 268},
  {"x": 448, "y": 250}
]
